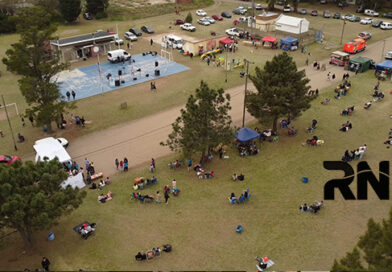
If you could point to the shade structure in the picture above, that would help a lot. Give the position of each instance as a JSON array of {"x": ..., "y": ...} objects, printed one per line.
[
  {"x": 269, "y": 39},
  {"x": 246, "y": 134},
  {"x": 226, "y": 40},
  {"x": 384, "y": 65},
  {"x": 360, "y": 63},
  {"x": 289, "y": 43}
]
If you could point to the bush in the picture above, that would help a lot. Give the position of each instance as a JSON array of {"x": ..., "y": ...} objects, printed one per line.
[
  {"x": 101, "y": 15},
  {"x": 7, "y": 24},
  {"x": 188, "y": 18}
]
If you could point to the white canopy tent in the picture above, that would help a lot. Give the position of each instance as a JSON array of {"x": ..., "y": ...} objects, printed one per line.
[
  {"x": 291, "y": 24},
  {"x": 74, "y": 182},
  {"x": 50, "y": 148}
]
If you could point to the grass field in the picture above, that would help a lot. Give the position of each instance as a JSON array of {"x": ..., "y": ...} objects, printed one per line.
[
  {"x": 104, "y": 110},
  {"x": 200, "y": 223}
]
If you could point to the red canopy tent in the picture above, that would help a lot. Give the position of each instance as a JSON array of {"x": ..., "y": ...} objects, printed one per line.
[
  {"x": 269, "y": 39},
  {"x": 226, "y": 40}
]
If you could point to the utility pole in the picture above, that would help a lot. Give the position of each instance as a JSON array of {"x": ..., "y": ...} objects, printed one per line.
[
  {"x": 382, "y": 52},
  {"x": 246, "y": 89},
  {"x": 341, "y": 37},
  {"x": 9, "y": 123},
  {"x": 226, "y": 63}
]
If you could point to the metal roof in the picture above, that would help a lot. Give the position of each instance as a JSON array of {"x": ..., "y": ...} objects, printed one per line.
[{"x": 83, "y": 38}]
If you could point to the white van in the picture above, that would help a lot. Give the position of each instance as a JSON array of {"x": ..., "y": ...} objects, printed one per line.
[
  {"x": 118, "y": 55},
  {"x": 174, "y": 41},
  {"x": 386, "y": 25},
  {"x": 50, "y": 148},
  {"x": 388, "y": 55}
]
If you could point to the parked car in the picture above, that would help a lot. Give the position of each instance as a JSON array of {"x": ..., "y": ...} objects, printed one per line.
[
  {"x": 209, "y": 19},
  {"x": 243, "y": 19},
  {"x": 314, "y": 13},
  {"x": 188, "y": 27},
  {"x": 118, "y": 41},
  {"x": 365, "y": 35},
  {"x": 225, "y": 14},
  {"x": 250, "y": 7},
  {"x": 388, "y": 55},
  {"x": 336, "y": 15},
  {"x": 342, "y": 3},
  {"x": 259, "y": 7},
  {"x": 326, "y": 14},
  {"x": 64, "y": 142},
  {"x": 179, "y": 22},
  {"x": 217, "y": 17},
  {"x": 387, "y": 15},
  {"x": 203, "y": 22},
  {"x": 239, "y": 11},
  {"x": 280, "y": 2},
  {"x": 201, "y": 12},
  {"x": 354, "y": 47},
  {"x": 87, "y": 16},
  {"x": 386, "y": 25},
  {"x": 241, "y": 7},
  {"x": 377, "y": 23},
  {"x": 6, "y": 159},
  {"x": 130, "y": 36},
  {"x": 360, "y": 9},
  {"x": 355, "y": 19},
  {"x": 135, "y": 31},
  {"x": 366, "y": 21},
  {"x": 147, "y": 29},
  {"x": 233, "y": 32},
  {"x": 303, "y": 11},
  {"x": 371, "y": 12},
  {"x": 287, "y": 8},
  {"x": 323, "y": 2}
]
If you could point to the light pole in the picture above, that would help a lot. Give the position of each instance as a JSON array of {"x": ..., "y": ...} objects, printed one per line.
[
  {"x": 9, "y": 123},
  {"x": 246, "y": 89},
  {"x": 341, "y": 37},
  {"x": 226, "y": 63}
]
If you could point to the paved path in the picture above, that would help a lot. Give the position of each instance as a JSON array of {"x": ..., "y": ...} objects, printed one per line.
[{"x": 139, "y": 140}]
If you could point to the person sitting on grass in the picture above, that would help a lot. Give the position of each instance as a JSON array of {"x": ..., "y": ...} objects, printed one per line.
[
  {"x": 93, "y": 186},
  {"x": 246, "y": 194},
  {"x": 109, "y": 196},
  {"x": 241, "y": 177},
  {"x": 304, "y": 208},
  {"x": 102, "y": 198},
  {"x": 21, "y": 138},
  {"x": 367, "y": 105},
  {"x": 154, "y": 179},
  {"x": 234, "y": 177},
  {"x": 232, "y": 196},
  {"x": 140, "y": 257},
  {"x": 389, "y": 141},
  {"x": 101, "y": 184},
  {"x": 316, "y": 206}
]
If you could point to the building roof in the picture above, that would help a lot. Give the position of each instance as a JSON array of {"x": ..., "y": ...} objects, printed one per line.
[
  {"x": 83, "y": 38},
  {"x": 289, "y": 20}
]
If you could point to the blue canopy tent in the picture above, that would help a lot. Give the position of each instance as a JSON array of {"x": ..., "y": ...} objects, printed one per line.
[
  {"x": 246, "y": 134},
  {"x": 289, "y": 43},
  {"x": 386, "y": 65}
]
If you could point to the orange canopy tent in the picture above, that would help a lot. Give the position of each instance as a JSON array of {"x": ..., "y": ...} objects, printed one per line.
[{"x": 226, "y": 40}]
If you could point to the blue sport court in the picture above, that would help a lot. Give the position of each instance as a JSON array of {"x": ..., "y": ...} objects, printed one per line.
[{"x": 86, "y": 81}]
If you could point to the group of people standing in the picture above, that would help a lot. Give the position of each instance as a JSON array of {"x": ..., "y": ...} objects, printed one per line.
[{"x": 122, "y": 165}]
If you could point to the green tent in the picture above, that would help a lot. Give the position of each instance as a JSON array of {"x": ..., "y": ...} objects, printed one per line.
[{"x": 363, "y": 64}]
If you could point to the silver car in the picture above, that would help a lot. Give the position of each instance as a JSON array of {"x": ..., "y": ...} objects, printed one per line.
[
  {"x": 203, "y": 22},
  {"x": 209, "y": 19}
]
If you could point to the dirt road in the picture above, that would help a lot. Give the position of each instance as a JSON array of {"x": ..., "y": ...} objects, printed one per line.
[{"x": 139, "y": 140}]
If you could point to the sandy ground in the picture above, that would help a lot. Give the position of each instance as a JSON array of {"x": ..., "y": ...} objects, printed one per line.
[{"x": 139, "y": 140}]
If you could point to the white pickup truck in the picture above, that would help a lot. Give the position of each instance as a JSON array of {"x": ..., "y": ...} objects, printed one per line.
[
  {"x": 188, "y": 27},
  {"x": 233, "y": 32}
]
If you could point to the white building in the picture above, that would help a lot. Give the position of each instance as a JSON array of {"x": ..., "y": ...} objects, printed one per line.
[{"x": 291, "y": 24}]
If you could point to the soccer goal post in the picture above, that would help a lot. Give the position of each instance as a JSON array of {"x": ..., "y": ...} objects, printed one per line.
[
  {"x": 11, "y": 106},
  {"x": 167, "y": 54}
]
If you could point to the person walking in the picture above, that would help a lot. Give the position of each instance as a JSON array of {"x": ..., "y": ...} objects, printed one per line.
[
  {"x": 45, "y": 263},
  {"x": 128, "y": 45},
  {"x": 31, "y": 119},
  {"x": 208, "y": 61},
  {"x": 329, "y": 75},
  {"x": 117, "y": 163},
  {"x": 151, "y": 42},
  {"x": 73, "y": 94},
  {"x": 153, "y": 162},
  {"x": 174, "y": 184},
  {"x": 189, "y": 164},
  {"x": 121, "y": 166},
  {"x": 86, "y": 163},
  {"x": 125, "y": 164},
  {"x": 68, "y": 94},
  {"x": 151, "y": 168},
  {"x": 333, "y": 76},
  {"x": 167, "y": 197},
  {"x": 23, "y": 122}
]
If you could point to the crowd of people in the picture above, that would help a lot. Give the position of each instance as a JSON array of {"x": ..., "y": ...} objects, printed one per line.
[
  {"x": 245, "y": 195},
  {"x": 356, "y": 154},
  {"x": 314, "y": 208},
  {"x": 389, "y": 141},
  {"x": 348, "y": 111},
  {"x": 346, "y": 126},
  {"x": 151, "y": 253}
]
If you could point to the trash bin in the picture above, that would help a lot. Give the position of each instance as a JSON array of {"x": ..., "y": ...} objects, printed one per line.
[
  {"x": 305, "y": 180},
  {"x": 51, "y": 236}
]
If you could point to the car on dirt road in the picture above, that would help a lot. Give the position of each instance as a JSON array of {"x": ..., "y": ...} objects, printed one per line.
[
  {"x": 354, "y": 18},
  {"x": 203, "y": 22},
  {"x": 287, "y": 8},
  {"x": 314, "y": 13},
  {"x": 135, "y": 31},
  {"x": 366, "y": 21},
  {"x": 201, "y": 12},
  {"x": 233, "y": 32},
  {"x": 377, "y": 23},
  {"x": 365, "y": 35},
  {"x": 130, "y": 36},
  {"x": 387, "y": 15},
  {"x": 188, "y": 27},
  {"x": 259, "y": 7},
  {"x": 147, "y": 29},
  {"x": 336, "y": 15},
  {"x": 239, "y": 11},
  {"x": 303, "y": 11},
  {"x": 326, "y": 14},
  {"x": 370, "y": 12},
  {"x": 225, "y": 14},
  {"x": 8, "y": 160},
  {"x": 118, "y": 41},
  {"x": 179, "y": 22},
  {"x": 217, "y": 17},
  {"x": 209, "y": 19},
  {"x": 386, "y": 25}
]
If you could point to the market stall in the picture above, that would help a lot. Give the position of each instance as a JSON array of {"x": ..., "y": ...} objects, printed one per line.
[
  {"x": 289, "y": 43},
  {"x": 270, "y": 42}
]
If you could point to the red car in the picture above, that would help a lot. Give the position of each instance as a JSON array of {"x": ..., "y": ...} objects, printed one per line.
[
  {"x": 5, "y": 159},
  {"x": 236, "y": 22},
  {"x": 179, "y": 22},
  {"x": 217, "y": 17}
]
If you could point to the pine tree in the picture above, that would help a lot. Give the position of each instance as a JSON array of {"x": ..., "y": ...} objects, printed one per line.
[
  {"x": 188, "y": 18},
  {"x": 281, "y": 91},
  {"x": 70, "y": 9},
  {"x": 96, "y": 6},
  {"x": 203, "y": 124},
  {"x": 31, "y": 59},
  {"x": 31, "y": 198}
]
